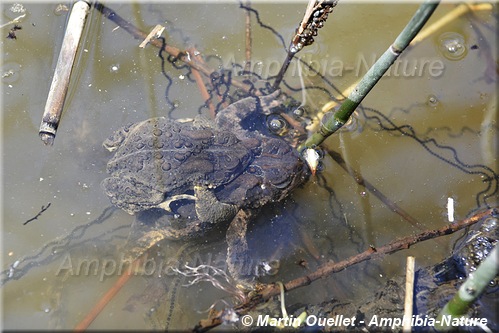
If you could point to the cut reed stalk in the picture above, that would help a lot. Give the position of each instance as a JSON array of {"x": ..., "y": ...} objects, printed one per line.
[{"x": 62, "y": 73}]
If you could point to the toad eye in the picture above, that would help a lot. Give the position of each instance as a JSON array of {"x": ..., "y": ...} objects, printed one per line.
[{"x": 276, "y": 124}]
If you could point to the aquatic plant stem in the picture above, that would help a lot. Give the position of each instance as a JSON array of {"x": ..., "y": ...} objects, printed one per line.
[
  {"x": 374, "y": 74},
  {"x": 283, "y": 69},
  {"x": 315, "y": 16},
  {"x": 423, "y": 35},
  {"x": 469, "y": 291}
]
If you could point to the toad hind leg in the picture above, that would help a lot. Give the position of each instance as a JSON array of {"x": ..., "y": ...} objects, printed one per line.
[
  {"x": 209, "y": 209},
  {"x": 238, "y": 258},
  {"x": 209, "y": 212}
]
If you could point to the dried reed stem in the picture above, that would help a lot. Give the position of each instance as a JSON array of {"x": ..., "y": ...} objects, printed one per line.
[
  {"x": 62, "y": 74},
  {"x": 409, "y": 293}
]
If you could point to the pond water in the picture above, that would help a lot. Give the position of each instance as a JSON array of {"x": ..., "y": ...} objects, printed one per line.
[{"x": 443, "y": 93}]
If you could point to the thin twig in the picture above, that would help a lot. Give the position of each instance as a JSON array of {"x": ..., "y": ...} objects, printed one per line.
[
  {"x": 394, "y": 246},
  {"x": 315, "y": 15},
  {"x": 16, "y": 20},
  {"x": 44, "y": 208},
  {"x": 155, "y": 32},
  {"x": 247, "y": 65}
]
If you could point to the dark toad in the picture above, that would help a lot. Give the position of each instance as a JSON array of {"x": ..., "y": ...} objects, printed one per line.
[{"x": 201, "y": 173}]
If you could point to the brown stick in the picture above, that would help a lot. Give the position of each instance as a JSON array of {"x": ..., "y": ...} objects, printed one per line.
[
  {"x": 315, "y": 15},
  {"x": 329, "y": 268},
  {"x": 201, "y": 85},
  {"x": 396, "y": 245}
]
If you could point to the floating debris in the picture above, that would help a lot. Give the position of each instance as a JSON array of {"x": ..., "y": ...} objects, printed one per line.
[
  {"x": 450, "y": 209},
  {"x": 312, "y": 157},
  {"x": 155, "y": 33},
  {"x": 44, "y": 208},
  {"x": 12, "y": 32}
]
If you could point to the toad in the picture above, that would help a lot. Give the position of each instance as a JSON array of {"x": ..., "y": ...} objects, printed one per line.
[{"x": 200, "y": 173}]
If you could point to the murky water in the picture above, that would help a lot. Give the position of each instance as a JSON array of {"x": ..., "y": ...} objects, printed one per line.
[{"x": 444, "y": 89}]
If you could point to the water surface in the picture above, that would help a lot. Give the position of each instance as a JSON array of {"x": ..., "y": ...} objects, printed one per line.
[{"x": 329, "y": 218}]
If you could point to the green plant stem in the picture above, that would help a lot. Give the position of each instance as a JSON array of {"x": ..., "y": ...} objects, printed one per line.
[
  {"x": 374, "y": 74},
  {"x": 469, "y": 291}
]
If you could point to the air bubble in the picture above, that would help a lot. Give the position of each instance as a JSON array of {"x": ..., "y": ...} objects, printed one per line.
[
  {"x": 352, "y": 125},
  {"x": 432, "y": 101},
  {"x": 299, "y": 111},
  {"x": 452, "y": 46},
  {"x": 10, "y": 72},
  {"x": 114, "y": 68},
  {"x": 326, "y": 117}
]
